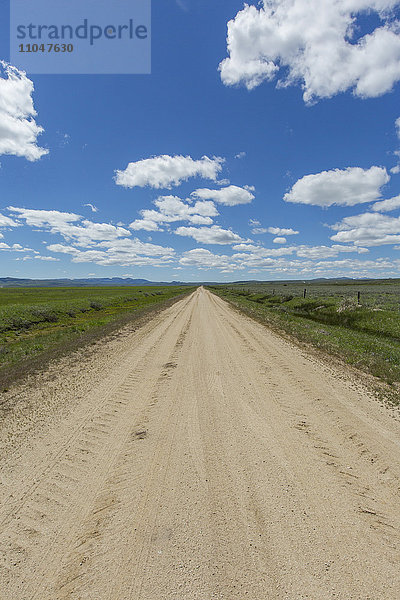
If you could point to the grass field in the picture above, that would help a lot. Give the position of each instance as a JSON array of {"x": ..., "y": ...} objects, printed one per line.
[
  {"x": 36, "y": 321},
  {"x": 365, "y": 334}
]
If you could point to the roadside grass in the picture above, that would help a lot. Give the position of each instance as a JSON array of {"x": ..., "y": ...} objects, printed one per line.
[
  {"x": 366, "y": 336},
  {"x": 39, "y": 323}
]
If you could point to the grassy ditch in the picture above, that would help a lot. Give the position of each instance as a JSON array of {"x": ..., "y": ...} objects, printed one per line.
[
  {"x": 364, "y": 336},
  {"x": 39, "y": 323}
]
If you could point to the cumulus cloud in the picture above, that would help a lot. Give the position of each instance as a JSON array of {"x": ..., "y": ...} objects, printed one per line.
[
  {"x": 16, "y": 248},
  {"x": 110, "y": 258},
  {"x": 136, "y": 246},
  {"x": 46, "y": 258},
  {"x": 121, "y": 252},
  {"x": 84, "y": 233},
  {"x": 229, "y": 196},
  {"x": 346, "y": 187},
  {"x": 63, "y": 249},
  {"x": 146, "y": 223},
  {"x": 204, "y": 259},
  {"x": 321, "y": 252},
  {"x": 167, "y": 171},
  {"x": 18, "y": 128},
  {"x": 7, "y": 222},
  {"x": 210, "y": 235},
  {"x": 368, "y": 229},
  {"x": 100, "y": 243},
  {"x": 310, "y": 262},
  {"x": 37, "y": 218},
  {"x": 240, "y": 155},
  {"x": 387, "y": 205},
  {"x": 172, "y": 209},
  {"x": 303, "y": 251},
  {"x": 260, "y": 251},
  {"x": 316, "y": 45},
  {"x": 279, "y": 240},
  {"x": 282, "y": 231}
]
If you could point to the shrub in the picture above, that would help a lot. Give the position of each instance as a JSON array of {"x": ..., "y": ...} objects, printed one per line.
[
  {"x": 44, "y": 315},
  {"x": 96, "y": 305}
]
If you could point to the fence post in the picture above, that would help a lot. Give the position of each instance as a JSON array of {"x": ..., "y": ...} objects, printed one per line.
[
  {"x": 304, "y": 293},
  {"x": 358, "y": 297}
]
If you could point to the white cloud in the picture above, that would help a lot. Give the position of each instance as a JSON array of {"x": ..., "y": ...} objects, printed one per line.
[
  {"x": 37, "y": 218},
  {"x": 387, "y": 205},
  {"x": 172, "y": 209},
  {"x": 368, "y": 229},
  {"x": 92, "y": 207},
  {"x": 120, "y": 252},
  {"x": 16, "y": 248},
  {"x": 279, "y": 231},
  {"x": 204, "y": 259},
  {"x": 396, "y": 169},
  {"x": 321, "y": 252},
  {"x": 315, "y": 44},
  {"x": 63, "y": 249},
  {"x": 314, "y": 252},
  {"x": 7, "y": 222},
  {"x": 274, "y": 263},
  {"x": 247, "y": 248},
  {"x": 167, "y": 171},
  {"x": 18, "y": 129},
  {"x": 339, "y": 187},
  {"x": 279, "y": 240},
  {"x": 256, "y": 227},
  {"x": 129, "y": 246},
  {"x": 229, "y": 196},
  {"x": 260, "y": 251},
  {"x": 282, "y": 231},
  {"x": 210, "y": 235},
  {"x": 240, "y": 155},
  {"x": 46, "y": 258},
  {"x": 100, "y": 243},
  {"x": 145, "y": 224},
  {"x": 86, "y": 233}
]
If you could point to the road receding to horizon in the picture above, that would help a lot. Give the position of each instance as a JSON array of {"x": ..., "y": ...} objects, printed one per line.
[{"x": 198, "y": 457}]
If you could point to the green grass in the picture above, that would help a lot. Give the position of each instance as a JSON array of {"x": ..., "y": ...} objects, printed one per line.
[
  {"x": 36, "y": 321},
  {"x": 365, "y": 335}
]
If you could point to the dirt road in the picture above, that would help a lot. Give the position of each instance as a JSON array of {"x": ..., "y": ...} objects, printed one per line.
[{"x": 200, "y": 457}]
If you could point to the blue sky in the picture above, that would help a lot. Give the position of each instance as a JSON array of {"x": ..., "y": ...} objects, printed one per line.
[{"x": 272, "y": 165}]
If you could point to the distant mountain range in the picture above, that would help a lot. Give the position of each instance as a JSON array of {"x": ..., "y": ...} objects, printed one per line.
[{"x": 101, "y": 281}]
